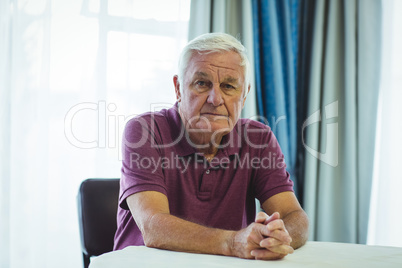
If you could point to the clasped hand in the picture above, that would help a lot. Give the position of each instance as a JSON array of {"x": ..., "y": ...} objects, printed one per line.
[{"x": 265, "y": 239}]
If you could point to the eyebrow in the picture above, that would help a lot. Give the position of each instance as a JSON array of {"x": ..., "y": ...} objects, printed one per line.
[
  {"x": 229, "y": 79},
  {"x": 201, "y": 74}
]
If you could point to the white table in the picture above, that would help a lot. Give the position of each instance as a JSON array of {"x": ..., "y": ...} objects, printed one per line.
[{"x": 313, "y": 254}]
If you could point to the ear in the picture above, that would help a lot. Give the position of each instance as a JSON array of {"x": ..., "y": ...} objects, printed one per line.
[
  {"x": 244, "y": 100},
  {"x": 177, "y": 87}
]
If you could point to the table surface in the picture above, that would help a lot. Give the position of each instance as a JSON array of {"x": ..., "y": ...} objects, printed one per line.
[{"x": 313, "y": 254}]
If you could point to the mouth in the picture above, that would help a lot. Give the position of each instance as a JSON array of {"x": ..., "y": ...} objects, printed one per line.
[{"x": 213, "y": 114}]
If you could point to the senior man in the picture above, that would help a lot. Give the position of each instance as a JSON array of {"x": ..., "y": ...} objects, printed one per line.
[{"x": 191, "y": 173}]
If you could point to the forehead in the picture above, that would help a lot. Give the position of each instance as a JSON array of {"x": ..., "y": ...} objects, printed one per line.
[{"x": 222, "y": 63}]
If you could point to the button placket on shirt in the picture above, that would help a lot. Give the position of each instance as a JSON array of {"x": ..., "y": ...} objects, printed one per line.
[{"x": 208, "y": 179}]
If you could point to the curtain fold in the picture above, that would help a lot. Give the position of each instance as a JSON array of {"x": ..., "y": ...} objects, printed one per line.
[
  {"x": 276, "y": 33},
  {"x": 303, "y": 81},
  {"x": 5, "y": 134},
  {"x": 339, "y": 134}
]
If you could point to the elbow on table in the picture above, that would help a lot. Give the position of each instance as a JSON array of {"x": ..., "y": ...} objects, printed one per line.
[
  {"x": 150, "y": 241},
  {"x": 301, "y": 233},
  {"x": 152, "y": 232}
]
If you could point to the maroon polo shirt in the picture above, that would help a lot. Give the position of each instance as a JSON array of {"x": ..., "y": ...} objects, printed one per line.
[{"x": 158, "y": 156}]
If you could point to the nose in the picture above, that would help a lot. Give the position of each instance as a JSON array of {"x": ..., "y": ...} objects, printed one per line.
[{"x": 215, "y": 96}]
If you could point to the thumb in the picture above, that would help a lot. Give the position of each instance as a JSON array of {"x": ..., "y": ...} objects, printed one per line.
[
  {"x": 274, "y": 216},
  {"x": 261, "y": 217}
]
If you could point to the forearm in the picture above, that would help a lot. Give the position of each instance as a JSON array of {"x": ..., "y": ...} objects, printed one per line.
[
  {"x": 169, "y": 232},
  {"x": 162, "y": 230},
  {"x": 296, "y": 223}
]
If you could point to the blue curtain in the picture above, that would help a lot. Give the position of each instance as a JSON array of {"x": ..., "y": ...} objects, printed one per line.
[{"x": 276, "y": 34}]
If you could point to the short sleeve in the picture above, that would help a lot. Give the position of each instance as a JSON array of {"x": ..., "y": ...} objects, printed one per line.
[
  {"x": 271, "y": 176},
  {"x": 141, "y": 170}
]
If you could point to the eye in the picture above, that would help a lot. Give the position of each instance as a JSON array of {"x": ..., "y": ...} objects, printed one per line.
[
  {"x": 201, "y": 83},
  {"x": 228, "y": 86}
]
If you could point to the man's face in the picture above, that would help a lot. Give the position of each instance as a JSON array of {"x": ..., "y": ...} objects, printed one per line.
[{"x": 212, "y": 96}]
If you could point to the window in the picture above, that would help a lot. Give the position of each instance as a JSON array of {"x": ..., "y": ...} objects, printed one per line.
[{"x": 73, "y": 72}]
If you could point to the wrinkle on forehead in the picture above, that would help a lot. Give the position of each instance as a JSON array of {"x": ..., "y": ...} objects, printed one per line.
[
  {"x": 225, "y": 69},
  {"x": 202, "y": 74}
]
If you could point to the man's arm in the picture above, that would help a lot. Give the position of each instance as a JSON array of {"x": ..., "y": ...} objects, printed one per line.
[
  {"x": 293, "y": 217},
  {"x": 161, "y": 230}
]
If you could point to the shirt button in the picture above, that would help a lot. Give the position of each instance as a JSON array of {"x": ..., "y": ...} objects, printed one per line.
[{"x": 207, "y": 171}]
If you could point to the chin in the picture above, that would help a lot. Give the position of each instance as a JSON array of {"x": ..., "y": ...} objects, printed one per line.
[
  {"x": 213, "y": 127},
  {"x": 221, "y": 128}
]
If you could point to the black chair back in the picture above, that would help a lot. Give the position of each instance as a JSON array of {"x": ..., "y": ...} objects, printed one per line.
[{"x": 97, "y": 208}]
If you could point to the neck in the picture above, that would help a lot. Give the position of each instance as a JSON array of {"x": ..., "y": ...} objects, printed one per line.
[{"x": 206, "y": 143}]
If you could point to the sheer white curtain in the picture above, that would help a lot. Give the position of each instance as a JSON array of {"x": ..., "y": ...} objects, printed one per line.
[
  {"x": 385, "y": 217},
  {"x": 71, "y": 73}
]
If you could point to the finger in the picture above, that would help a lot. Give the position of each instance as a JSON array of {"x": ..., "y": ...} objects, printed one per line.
[
  {"x": 276, "y": 224},
  {"x": 261, "y": 231},
  {"x": 281, "y": 249},
  {"x": 264, "y": 254},
  {"x": 270, "y": 242},
  {"x": 274, "y": 216},
  {"x": 281, "y": 235},
  {"x": 261, "y": 217},
  {"x": 255, "y": 237}
]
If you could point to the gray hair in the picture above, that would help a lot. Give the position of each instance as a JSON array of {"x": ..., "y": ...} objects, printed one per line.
[{"x": 210, "y": 43}]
